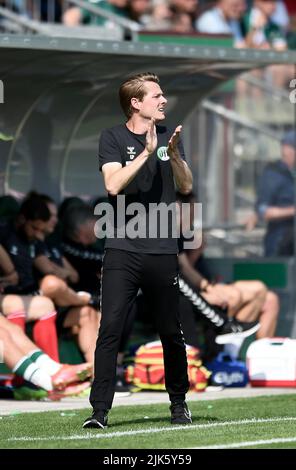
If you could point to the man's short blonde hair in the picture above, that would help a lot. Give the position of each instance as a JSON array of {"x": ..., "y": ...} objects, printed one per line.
[{"x": 134, "y": 87}]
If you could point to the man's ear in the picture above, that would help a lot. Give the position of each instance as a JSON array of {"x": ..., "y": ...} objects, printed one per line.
[{"x": 135, "y": 103}]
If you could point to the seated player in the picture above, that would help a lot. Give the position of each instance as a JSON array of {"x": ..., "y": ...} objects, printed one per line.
[{"x": 28, "y": 361}]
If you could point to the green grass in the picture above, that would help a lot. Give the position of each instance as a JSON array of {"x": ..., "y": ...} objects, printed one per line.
[{"x": 62, "y": 429}]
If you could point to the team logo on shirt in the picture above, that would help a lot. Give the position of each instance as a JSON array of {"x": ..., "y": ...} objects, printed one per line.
[
  {"x": 162, "y": 154},
  {"x": 131, "y": 152},
  {"x": 14, "y": 250}
]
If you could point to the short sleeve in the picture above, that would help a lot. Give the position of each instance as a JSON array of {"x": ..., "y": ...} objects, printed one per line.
[
  {"x": 109, "y": 150},
  {"x": 41, "y": 249}
]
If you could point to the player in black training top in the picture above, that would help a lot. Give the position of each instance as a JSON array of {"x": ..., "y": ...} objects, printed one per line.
[{"x": 140, "y": 161}]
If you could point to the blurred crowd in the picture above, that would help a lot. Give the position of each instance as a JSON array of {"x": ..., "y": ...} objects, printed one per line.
[{"x": 252, "y": 23}]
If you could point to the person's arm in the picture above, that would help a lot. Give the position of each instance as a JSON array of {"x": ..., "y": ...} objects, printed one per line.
[
  {"x": 72, "y": 274},
  {"x": 269, "y": 188},
  {"x": 9, "y": 275},
  {"x": 182, "y": 174},
  {"x": 192, "y": 275},
  {"x": 251, "y": 222},
  {"x": 278, "y": 213},
  {"x": 46, "y": 266},
  {"x": 116, "y": 177}
]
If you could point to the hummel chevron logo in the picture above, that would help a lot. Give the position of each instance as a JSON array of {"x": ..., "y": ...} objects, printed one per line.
[{"x": 131, "y": 152}]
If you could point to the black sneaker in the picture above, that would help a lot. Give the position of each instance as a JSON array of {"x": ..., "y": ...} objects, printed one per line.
[
  {"x": 98, "y": 419},
  {"x": 236, "y": 329},
  {"x": 180, "y": 413}
]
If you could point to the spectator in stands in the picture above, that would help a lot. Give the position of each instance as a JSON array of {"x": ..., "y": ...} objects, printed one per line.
[
  {"x": 281, "y": 16},
  {"x": 185, "y": 11},
  {"x": 139, "y": 11},
  {"x": 181, "y": 23},
  {"x": 174, "y": 15},
  {"x": 224, "y": 18},
  {"x": 276, "y": 200},
  {"x": 74, "y": 15},
  {"x": 160, "y": 19},
  {"x": 261, "y": 32},
  {"x": 28, "y": 361}
]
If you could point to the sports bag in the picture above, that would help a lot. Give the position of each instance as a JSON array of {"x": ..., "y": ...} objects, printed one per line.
[{"x": 147, "y": 373}]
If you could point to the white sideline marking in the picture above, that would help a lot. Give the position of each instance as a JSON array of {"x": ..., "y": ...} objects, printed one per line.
[
  {"x": 110, "y": 435},
  {"x": 247, "y": 444}
]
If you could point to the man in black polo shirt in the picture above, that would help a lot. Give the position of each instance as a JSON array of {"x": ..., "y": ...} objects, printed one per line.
[
  {"x": 19, "y": 240},
  {"x": 140, "y": 161}
]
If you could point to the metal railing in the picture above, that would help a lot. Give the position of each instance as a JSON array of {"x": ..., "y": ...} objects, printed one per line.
[
  {"x": 236, "y": 118},
  {"x": 266, "y": 86},
  {"x": 129, "y": 25},
  {"x": 29, "y": 19},
  {"x": 13, "y": 20}
]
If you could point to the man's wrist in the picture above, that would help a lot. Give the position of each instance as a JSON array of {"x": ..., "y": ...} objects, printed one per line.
[
  {"x": 204, "y": 284},
  {"x": 146, "y": 153},
  {"x": 174, "y": 154}
]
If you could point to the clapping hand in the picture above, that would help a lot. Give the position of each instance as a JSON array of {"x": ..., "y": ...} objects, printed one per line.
[
  {"x": 173, "y": 142},
  {"x": 151, "y": 137}
]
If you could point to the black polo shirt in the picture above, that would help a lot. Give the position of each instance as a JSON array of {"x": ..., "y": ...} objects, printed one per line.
[
  {"x": 22, "y": 253},
  {"x": 52, "y": 251},
  {"x": 153, "y": 184},
  {"x": 87, "y": 261}
]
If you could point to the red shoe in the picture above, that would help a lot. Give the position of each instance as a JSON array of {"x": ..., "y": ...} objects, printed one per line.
[
  {"x": 70, "y": 391},
  {"x": 68, "y": 374}
]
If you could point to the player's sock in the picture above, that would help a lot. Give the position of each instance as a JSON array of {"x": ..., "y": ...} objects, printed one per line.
[
  {"x": 44, "y": 361},
  {"x": 45, "y": 335},
  {"x": 18, "y": 318},
  {"x": 32, "y": 373}
]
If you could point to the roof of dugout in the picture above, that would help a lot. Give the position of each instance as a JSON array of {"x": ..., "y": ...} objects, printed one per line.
[{"x": 59, "y": 93}]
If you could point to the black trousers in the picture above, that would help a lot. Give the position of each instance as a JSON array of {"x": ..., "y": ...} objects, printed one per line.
[{"x": 123, "y": 274}]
